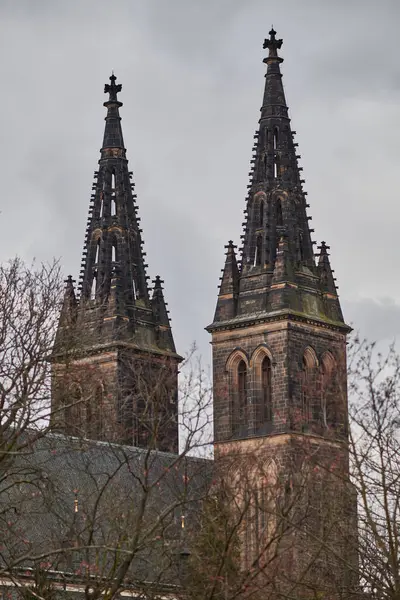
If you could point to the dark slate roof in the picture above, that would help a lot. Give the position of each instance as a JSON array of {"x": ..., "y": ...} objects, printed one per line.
[{"x": 82, "y": 499}]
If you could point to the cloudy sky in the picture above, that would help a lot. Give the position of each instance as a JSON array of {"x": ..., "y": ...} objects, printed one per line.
[{"x": 192, "y": 77}]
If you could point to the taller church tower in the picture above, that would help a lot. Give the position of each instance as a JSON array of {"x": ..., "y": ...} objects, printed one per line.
[
  {"x": 279, "y": 367},
  {"x": 115, "y": 366}
]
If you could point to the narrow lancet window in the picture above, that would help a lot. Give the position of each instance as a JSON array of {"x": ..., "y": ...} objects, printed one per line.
[
  {"x": 257, "y": 255},
  {"x": 276, "y": 156},
  {"x": 261, "y": 214},
  {"x": 242, "y": 391},
  {"x": 94, "y": 285},
  {"x": 266, "y": 390},
  {"x": 279, "y": 216},
  {"x": 113, "y": 253},
  {"x": 275, "y": 138},
  {"x": 307, "y": 386},
  {"x": 97, "y": 257}
]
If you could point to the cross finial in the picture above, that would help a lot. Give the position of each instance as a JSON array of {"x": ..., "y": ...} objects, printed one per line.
[
  {"x": 273, "y": 44},
  {"x": 112, "y": 88}
]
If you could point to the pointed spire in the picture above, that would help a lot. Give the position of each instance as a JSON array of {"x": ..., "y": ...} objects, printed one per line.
[
  {"x": 114, "y": 296},
  {"x": 229, "y": 288},
  {"x": 161, "y": 317},
  {"x": 324, "y": 267},
  {"x": 328, "y": 286},
  {"x": 113, "y": 138},
  {"x": 277, "y": 268},
  {"x": 69, "y": 306}
]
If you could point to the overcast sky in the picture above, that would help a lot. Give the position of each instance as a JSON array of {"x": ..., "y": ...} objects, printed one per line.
[{"x": 192, "y": 77}]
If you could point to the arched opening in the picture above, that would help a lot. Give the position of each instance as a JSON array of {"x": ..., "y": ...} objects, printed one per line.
[
  {"x": 261, "y": 214},
  {"x": 94, "y": 286},
  {"x": 113, "y": 195},
  {"x": 258, "y": 251},
  {"x": 275, "y": 138},
  {"x": 305, "y": 392},
  {"x": 279, "y": 214},
  {"x": 309, "y": 363},
  {"x": 97, "y": 256},
  {"x": 102, "y": 207},
  {"x": 242, "y": 392},
  {"x": 114, "y": 252},
  {"x": 276, "y": 157},
  {"x": 328, "y": 408},
  {"x": 266, "y": 390}
]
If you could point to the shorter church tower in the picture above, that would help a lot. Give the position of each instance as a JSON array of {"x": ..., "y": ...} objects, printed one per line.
[
  {"x": 279, "y": 368},
  {"x": 114, "y": 364}
]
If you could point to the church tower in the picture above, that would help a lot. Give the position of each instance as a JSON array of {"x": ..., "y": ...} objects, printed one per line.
[
  {"x": 279, "y": 368},
  {"x": 114, "y": 364}
]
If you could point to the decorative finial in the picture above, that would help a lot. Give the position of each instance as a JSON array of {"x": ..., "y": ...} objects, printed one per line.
[
  {"x": 324, "y": 249},
  {"x": 112, "y": 89},
  {"x": 273, "y": 45},
  {"x": 69, "y": 281}
]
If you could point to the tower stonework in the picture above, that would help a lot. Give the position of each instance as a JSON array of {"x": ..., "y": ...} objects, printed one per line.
[
  {"x": 279, "y": 369},
  {"x": 114, "y": 364}
]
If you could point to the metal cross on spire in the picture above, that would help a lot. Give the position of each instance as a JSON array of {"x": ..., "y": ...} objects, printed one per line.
[
  {"x": 112, "y": 89},
  {"x": 272, "y": 44}
]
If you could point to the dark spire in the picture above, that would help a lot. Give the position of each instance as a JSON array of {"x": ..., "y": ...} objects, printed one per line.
[
  {"x": 114, "y": 295},
  {"x": 161, "y": 318},
  {"x": 324, "y": 267},
  {"x": 327, "y": 282},
  {"x": 68, "y": 311},
  {"x": 228, "y": 290},
  {"x": 68, "y": 316},
  {"x": 277, "y": 245},
  {"x": 113, "y": 132}
]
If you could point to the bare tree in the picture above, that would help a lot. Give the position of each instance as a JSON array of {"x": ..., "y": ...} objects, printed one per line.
[{"x": 375, "y": 457}]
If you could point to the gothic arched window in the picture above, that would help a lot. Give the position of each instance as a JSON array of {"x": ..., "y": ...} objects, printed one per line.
[
  {"x": 113, "y": 195},
  {"x": 257, "y": 255},
  {"x": 279, "y": 215},
  {"x": 329, "y": 398},
  {"x": 97, "y": 256},
  {"x": 276, "y": 156},
  {"x": 94, "y": 286},
  {"x": 261, "y": 214},
  {"x": 307, "y": 385},
  {"x": 241, "y": 393},
  {"x": 275, "y": 138},
  {"x": 266, "y": 389}
]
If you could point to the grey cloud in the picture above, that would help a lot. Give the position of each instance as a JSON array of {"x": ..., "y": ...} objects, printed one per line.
[{"x": 374, "y": 319}]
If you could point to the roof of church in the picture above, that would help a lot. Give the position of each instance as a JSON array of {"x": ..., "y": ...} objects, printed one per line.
[
  {"x": 277, "y": 275},
  {"x": 72, "y": 494}
]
